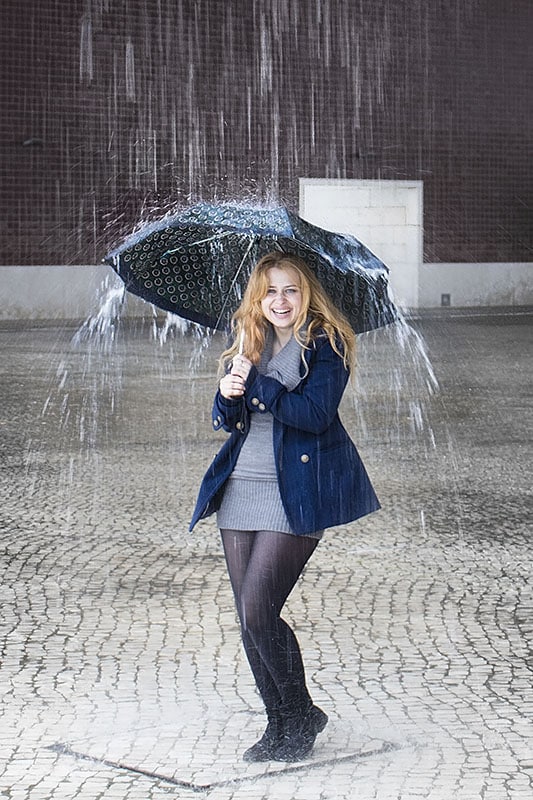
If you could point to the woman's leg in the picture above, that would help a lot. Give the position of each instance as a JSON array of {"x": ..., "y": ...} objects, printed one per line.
[
  {"x": 275, "y": 563},
  {"x": 238, "y": 546}
]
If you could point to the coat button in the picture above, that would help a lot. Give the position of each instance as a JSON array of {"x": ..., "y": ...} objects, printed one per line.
[
  {"x": 239, "y": 426},
  {"x": 255, "y": 401},
  {"x": 304, "y": 458},
  {"x": 261, "y": 407}
]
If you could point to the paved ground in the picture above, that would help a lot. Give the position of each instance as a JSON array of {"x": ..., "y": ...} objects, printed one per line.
[{"x": 122, "y": 675}]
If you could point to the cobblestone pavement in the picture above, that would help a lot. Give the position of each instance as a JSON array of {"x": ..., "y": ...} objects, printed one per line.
[{"x": 122, "y": 673}]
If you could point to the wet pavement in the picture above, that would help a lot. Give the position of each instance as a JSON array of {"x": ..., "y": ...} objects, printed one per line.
[{"x": 122, "y": 673}]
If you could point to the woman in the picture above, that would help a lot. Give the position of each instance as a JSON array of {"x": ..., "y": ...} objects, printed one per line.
[{"x": 287, "y": 472}]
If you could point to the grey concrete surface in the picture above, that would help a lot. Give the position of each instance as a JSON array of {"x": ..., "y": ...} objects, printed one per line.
[{"x": 122, "y": 674}]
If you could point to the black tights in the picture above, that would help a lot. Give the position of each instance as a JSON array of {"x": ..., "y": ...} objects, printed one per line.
[{"x": 263, "y": 567}]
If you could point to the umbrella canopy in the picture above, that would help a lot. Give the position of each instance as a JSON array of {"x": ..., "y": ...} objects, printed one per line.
[{"x": 197, "y": 263}]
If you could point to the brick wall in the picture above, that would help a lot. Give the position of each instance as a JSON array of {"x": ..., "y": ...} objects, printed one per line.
[{"x": 115, "y": 109}]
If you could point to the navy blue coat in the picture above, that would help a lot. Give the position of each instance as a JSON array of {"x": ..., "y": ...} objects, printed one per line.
[{"x": 322, "y": 479}]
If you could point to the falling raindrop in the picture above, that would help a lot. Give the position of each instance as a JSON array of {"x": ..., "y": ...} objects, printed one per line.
[
  {"x": 130, "y": 71},
  {"x": 86, "y": 48}
]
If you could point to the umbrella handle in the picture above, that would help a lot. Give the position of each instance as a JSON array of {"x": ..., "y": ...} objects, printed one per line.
[{"x": 241, "y": 343}]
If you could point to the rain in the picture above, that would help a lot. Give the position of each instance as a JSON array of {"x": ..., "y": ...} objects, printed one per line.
[{"x": 124, "y": 673}]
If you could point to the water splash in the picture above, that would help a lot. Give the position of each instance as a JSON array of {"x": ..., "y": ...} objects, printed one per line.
[
  {"x": 103, "y": 325},
  {"x": 401, "y": 413},
  {"x": 169, "y": 331},
  {"x": 88, "y": 381}
]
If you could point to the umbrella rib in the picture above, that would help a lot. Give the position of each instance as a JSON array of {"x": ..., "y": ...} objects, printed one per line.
[
  {"x": 237, "y": 273},
  {"x": 201, "y": 241}
]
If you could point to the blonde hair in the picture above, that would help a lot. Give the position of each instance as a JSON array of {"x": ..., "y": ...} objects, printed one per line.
[{"x": 317, "y": 311}]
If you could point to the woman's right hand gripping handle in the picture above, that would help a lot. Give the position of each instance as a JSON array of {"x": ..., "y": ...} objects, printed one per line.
[{"x": 233, "y": 383}]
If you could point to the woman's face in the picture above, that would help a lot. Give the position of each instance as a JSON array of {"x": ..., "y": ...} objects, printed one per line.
[{"x": 283, "y": 301}]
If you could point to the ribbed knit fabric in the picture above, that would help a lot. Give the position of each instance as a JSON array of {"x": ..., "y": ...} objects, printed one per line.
[
  {"x": 251, "y": 500},
  {"x": 256, "y": 459},
  {"x": 252, "y": 505}
]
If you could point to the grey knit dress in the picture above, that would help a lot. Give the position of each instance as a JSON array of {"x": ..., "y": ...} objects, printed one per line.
[{"x": 252, "y": 501}]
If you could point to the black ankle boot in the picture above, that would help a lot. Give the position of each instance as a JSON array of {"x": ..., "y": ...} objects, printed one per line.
[
  {"x": 270, "y": 741},
  {"x": 299, "y": 734}
]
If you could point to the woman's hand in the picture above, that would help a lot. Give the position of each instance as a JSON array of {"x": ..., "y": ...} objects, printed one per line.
[
  {"x": 232, "y": 385},
  {"x": 241, "y": 366}
]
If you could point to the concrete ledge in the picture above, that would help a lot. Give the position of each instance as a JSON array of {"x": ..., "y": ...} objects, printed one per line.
[
  {"x": 464, "y": 285},
  {"x": 77, "y": 292},
  {"x": 60, "y": 292}
]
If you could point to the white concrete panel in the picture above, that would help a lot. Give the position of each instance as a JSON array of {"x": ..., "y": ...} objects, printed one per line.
[
  {"x": 349, "y": 195},
  {"x": 384, "y": 215}
]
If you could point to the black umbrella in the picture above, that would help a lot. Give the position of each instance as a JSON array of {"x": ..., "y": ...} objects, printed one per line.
[{"x": 197, "y": 263}]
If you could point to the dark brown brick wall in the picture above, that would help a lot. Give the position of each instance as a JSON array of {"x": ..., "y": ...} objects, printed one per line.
[{"x": 114, "y": 109}]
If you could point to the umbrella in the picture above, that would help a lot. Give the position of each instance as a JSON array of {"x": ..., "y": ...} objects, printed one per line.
[{"x": 196, "y": 263}]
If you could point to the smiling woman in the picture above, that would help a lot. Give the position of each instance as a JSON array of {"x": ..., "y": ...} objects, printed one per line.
[{"x": 287, "y": 472}]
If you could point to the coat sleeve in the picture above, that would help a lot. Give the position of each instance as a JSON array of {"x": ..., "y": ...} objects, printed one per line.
[
  {"x": 230, "y": 415},
  {"x": 312, "y": 406}
]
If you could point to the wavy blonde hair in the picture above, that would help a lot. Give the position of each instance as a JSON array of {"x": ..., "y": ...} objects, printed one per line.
[{"x": 317, "y": 314}]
